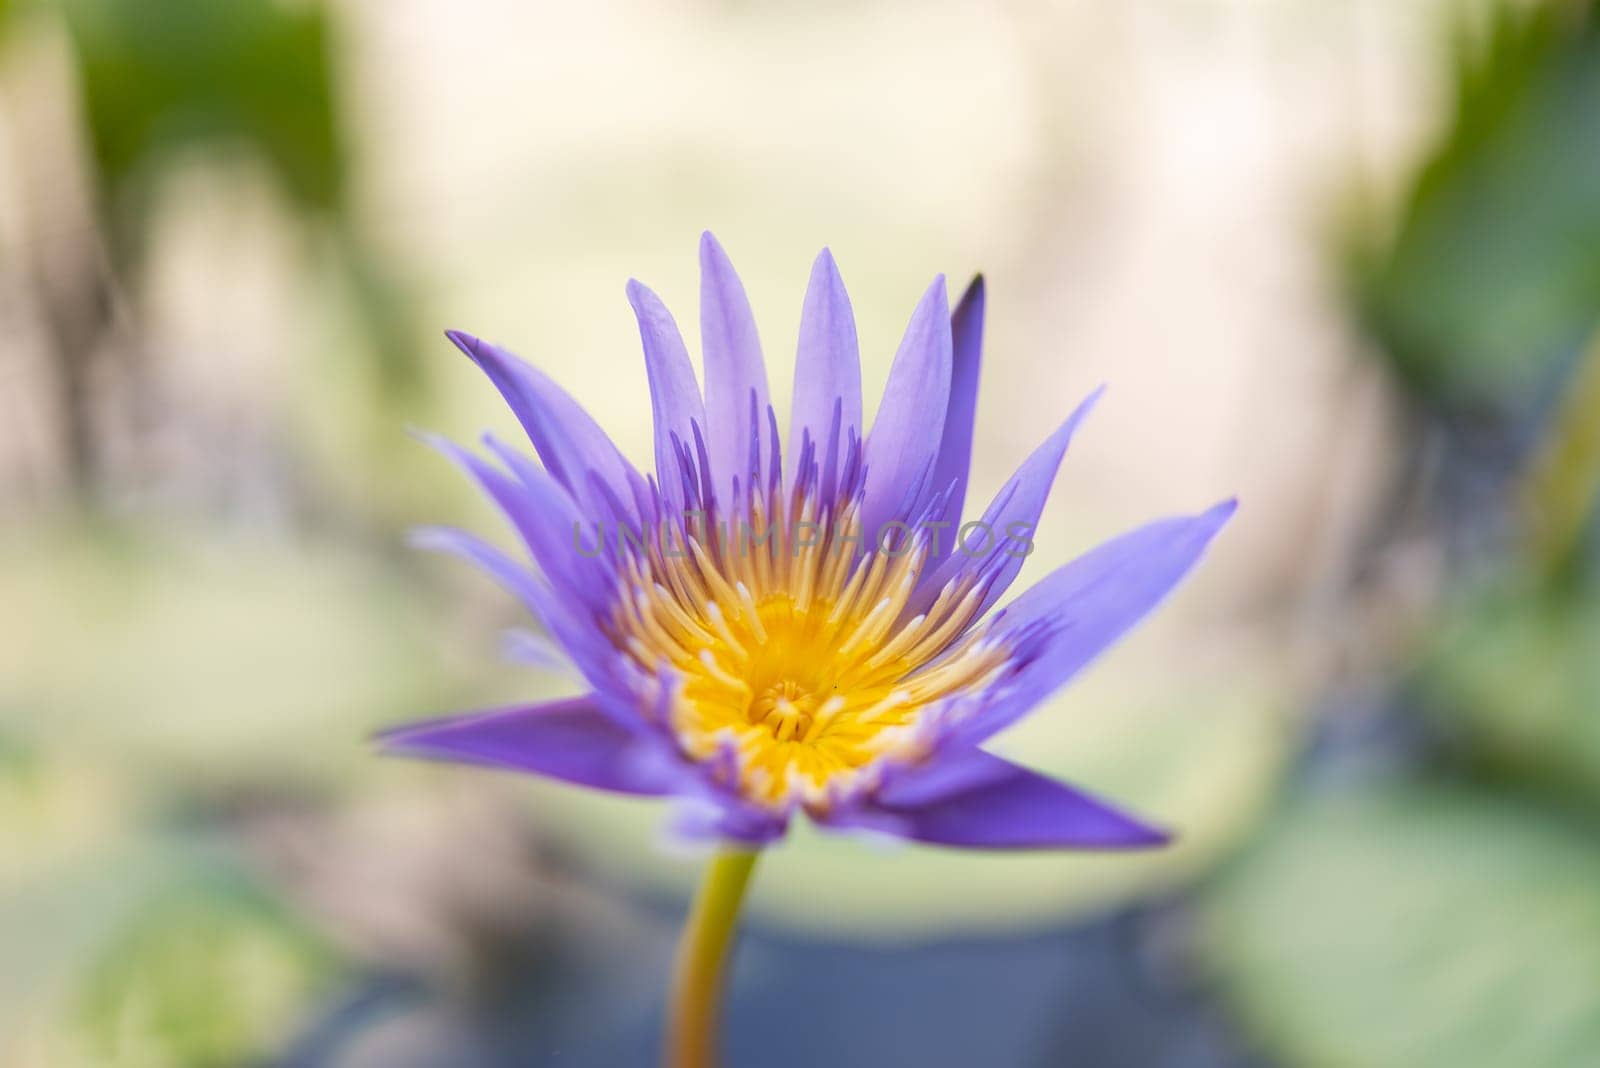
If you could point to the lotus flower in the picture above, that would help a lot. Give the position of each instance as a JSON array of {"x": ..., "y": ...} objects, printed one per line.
[{"x": 766, "y": 632}]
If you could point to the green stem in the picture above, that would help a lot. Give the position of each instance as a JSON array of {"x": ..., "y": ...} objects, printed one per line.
[
  {"x": 1560, "y": 490},
  {"x": 702, "y": 952}
]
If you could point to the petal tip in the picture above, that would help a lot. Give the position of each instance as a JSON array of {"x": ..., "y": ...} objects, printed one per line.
[
  {"x": 400, "y": 739},
  {"x": 642, "y": 297},
  {"x": 825, "y": 272},
  {"x": 934, "y": 304},
  {"x": 1222, "y": 511},
  {"x": 464, "y": 341},
  {"x": 435, "y": 441},
  {"x": 1145, "y": 836},
  {"x": 427, "y": 539},
  {"x": 973, "y": 296},
  {"x": 711, "y": 248}
]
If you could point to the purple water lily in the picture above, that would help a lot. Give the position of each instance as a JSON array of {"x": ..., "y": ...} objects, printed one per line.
[{"x": 769, "y": 631}]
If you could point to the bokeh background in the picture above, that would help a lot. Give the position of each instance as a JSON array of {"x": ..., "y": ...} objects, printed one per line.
[{"x": 1340, "y": 257}]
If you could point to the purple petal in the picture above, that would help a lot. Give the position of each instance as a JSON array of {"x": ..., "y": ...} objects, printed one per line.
[
  {"x": 510, "y": 575},
  {"x": 905, "y": 436},
  {"x": 570, "y": 443},
  {"x": 674, "y": 394},
  {"x": 974, "y": 799},
  {"x": 572, "y": 627},
  {"x": 827, "y": 370},
  {"x": 546, "y": 519},
  {"x": 955, "y": 453},
  {"x": 702, "y": 819},
  {"x": 999, "y": 548},
  {"x": 571, "y": 740},
  {"x": 1074, "y": 614},
  {"x": 522, "y": 646},
  {"x": 734, "y": 369}
]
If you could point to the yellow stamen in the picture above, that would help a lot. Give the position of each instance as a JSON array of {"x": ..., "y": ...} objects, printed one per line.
[{"x": 795, "y": 655}]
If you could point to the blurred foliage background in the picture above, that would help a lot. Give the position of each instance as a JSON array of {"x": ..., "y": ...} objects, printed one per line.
[{"x": 1342, "y": 259}]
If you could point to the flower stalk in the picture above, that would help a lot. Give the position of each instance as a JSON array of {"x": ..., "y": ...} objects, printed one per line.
[
  {"x": 698, "y": 977},
  {"x": 1561, "y": 488}
]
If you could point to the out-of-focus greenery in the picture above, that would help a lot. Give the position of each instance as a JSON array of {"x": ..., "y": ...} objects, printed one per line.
[
  {"x": 210, "y": 975},
  {"x": 162, "y": 76},
  {"x": 1492, "y": 285},
  {"x": 1416, "y": 926},
  {"x": 1489, "y": 275},
  {"x": 1442, "y": 911},
  {"x": 146, "y": 672},
  {"x": 1515, "y": 682},
  {"x": 162, "y": 79},
  {"x": 139, "y": 673},
  {"x": 223, "y": 662},
  {"x": 157, "y": 950},
  {"x": 134, "y": 935}
]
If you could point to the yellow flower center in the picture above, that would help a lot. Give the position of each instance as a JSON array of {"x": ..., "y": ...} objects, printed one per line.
[
  {"x": 787, "y": 708},
  {"x": 796, "y": 655}
]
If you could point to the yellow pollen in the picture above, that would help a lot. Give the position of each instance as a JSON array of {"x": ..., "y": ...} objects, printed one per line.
[
  {"x": 786, "y": 708},
  {"x": 796, "y": 653}
]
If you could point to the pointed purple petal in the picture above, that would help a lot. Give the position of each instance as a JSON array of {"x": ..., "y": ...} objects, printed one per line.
[
  {"x": 569, "y": 624},
  {"x": 506, "y": 572},
  {"x": 1074, "y": 614},
  {"x": 571, "y": 740},
  {"x": 955, "y": 452},
  {"x": 976, "y": 800},
  {"x": 544, "y": 516},
  {"x": 827, "y": 370},
  {"x": 674, "y": 394},
  {"x": 905, "y": 436},
  {"x": 734, "y": 369},
  {"x": 522, "y": 646},
  {"x": 1006, "y": 538},
  {"x": 569, "y": 442}
]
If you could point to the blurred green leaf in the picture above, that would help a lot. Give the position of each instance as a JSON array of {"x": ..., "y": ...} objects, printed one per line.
[
  {"x": 159, "y": 76},
  {"x": 218, "y": 661},
  {"x": 158, "y": 952},
  {"x": 160, "y": 79},
  {"x": 1491, "y": 274},
  {"x": 1514, "y": 677},
  {"x": 54, "y": 811},
  {"x": 213, "y": 975},
  {"x": 1414, "y": 926},
  {"x": 54, "y": 922}
]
